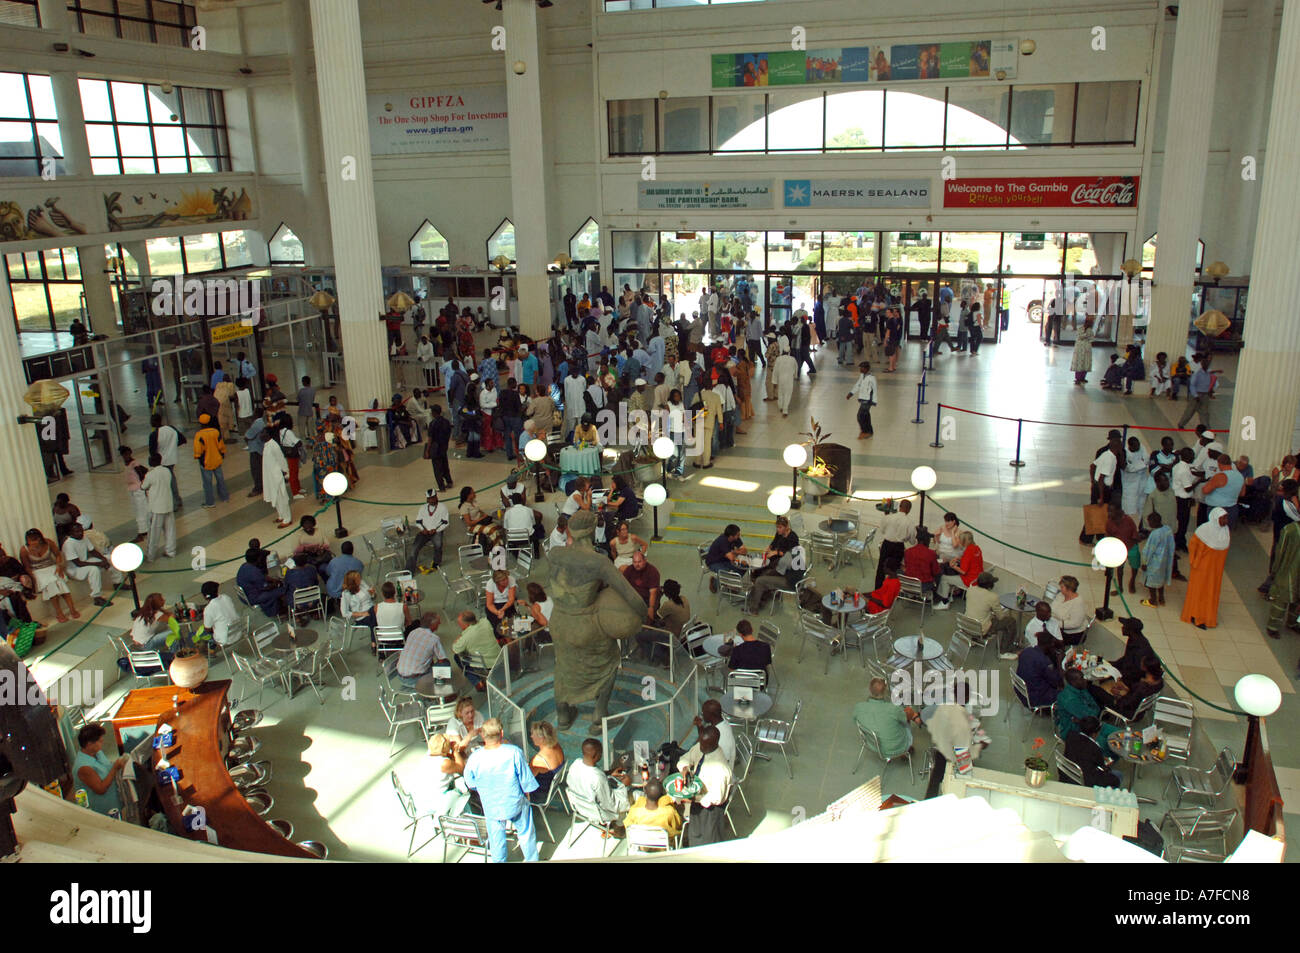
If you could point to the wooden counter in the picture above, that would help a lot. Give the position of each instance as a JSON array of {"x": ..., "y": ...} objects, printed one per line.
[
  {"x": 202, "y": 728},
  {"x": 141, "y": 709}
]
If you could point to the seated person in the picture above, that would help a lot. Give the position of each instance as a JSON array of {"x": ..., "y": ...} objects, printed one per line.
[
  {"x": 1083, "y": 748},
  {"x": 888, "y": 720},
  {"x": 883, "y": 597},
  {"x": 1123, "y": 697},
  {"x": 548, "y": 761},
  {"x": 1113, "y": 378},
  {"x": 540, "y": 606},
  {"x": 519, "y": 518},
  {"x": 674, "y": 611},
  {"x": 298, "y": 576},
  {"x": 622, "y": 499},
  {"x": 1070, "y": 609},
  {"x": 655, "y": 809},
  {"x": 93, "y": 772},
  {"x": 790, "y": 569},
  {"x": 476, "y": 521},
  {"x": 1137, "y": 649},
  {"x": 586, "y": 433},
  {"x": 607, "y": 792},
  {"x": 1074, "y": 704},
  {"x": 1037, "y": 666},
  {"x": 645, "y": 580},
  {"x": 340, "y": 566},
  {"x": 357, "y": 601},
  {"x": 723, "y": 553},
  {"x": 310, "y": 545},
  {"x": 983, "y": 607},
  {"x": 579, "y": 497},
  {"x": 259, "y": 589},
  {"x": 502, "y": 593},
  {"x": 220, "y": 615},
  {"x": 391, "y": 612},
  {"x": 1043, "y": 622},
  {"x": 921, "y": 562},
  {"x": 476, "y": 638},
  {"x": 784, "y": 540},
  {"x": 750, "y": 652},
  {"x": 466, "y": 725},
  {"x": 422, "y": 649},
  {"x": 560, "y": 535},
  {"x": 962, "y": 571},
  {"x": 451, "y": 765}
]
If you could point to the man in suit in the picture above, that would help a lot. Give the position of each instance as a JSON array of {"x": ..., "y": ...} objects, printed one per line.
[{"x": 1083, "y": 749}]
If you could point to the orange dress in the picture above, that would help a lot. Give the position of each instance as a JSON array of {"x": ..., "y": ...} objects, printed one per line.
[{"x": 1201, "y": 604}]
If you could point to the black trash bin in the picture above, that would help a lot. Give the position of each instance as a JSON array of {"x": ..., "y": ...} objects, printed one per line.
[{"x": 840, "y": 460}]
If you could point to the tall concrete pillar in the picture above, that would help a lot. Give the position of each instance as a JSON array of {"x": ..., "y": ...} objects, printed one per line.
[
  {"x": 529, "y": 184},
  {"x": 1241, "y": 196},
  {"x": 27, "y": 499},
  {"x": 314, "y": 229},
  {"x": 97, "y": 284},
  {"x": 1182, "y": 178},
  {"x": 349, "y": 183},
  {"x": 1267, "y": 391}
]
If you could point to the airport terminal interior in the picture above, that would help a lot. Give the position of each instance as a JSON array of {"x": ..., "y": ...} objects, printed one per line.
[{"x": 940, "y": 360}]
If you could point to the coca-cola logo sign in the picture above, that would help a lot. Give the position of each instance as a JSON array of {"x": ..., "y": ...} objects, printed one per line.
[{"x": 1105, "y": 192}]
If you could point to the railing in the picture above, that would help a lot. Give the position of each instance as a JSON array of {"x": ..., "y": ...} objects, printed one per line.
[{"x": 679, "y": 706}]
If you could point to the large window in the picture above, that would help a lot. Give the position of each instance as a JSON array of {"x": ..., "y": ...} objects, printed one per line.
[
  {"x": 140, "y": 128},
  {"x": 193, "y": 254},
  {"x": 20, "y": 12},
  {"x": 29, "y": 127},
  {"x": 46, "y": 288},
  {"x": 285, "y": 248},
  {"x": 145, "y": 21},
  {"x": 967, "y": 116},
  {"x": 584, "y": 246},
  {"x": 429, "y": 248},
  {"x": 502, "y": 242}
]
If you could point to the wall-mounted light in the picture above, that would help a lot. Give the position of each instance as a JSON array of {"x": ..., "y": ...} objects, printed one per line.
[
  {"x": 1027, "y": 47},
  {"x": 520, "y": 67}
]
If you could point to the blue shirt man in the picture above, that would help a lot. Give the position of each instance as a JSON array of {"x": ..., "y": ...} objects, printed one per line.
[
  {"x": 500, "y": 774},
  {"x": 1199, "y": 384},
  {"x": 528, "y": 368},
  {"x": 338, "y": 567},
  {"x": 487, "y": 371}
]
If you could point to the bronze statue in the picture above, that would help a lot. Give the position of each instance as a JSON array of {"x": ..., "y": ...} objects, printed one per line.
[{"x": 594, "y": 608}]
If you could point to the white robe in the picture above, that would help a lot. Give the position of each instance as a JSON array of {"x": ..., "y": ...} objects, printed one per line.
[
  {"x": 275, "y": 485},
  {"x": 784, "y": 369}
]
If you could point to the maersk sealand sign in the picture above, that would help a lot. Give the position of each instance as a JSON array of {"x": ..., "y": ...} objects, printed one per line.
[{"x": 856, "y": 193}]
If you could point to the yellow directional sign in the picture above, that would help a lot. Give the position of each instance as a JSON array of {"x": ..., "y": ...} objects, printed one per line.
[{"x": 228, "y": 332}]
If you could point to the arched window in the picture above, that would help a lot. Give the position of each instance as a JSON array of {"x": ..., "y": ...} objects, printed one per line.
[
  {"x": 584, "y": 246},
  {"x": 285, "y": 248},
  {"x": 1149, "y": 255},
  {"x": 428, "y": 247},
  {"x": 502, "y": 242}
]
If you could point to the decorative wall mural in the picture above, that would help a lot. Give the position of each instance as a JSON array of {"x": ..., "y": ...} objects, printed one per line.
[
  {"x": 127, "y": 212},
  {"x": 47, "y": 220}
]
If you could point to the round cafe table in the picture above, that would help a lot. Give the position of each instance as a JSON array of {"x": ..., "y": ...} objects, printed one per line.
[
  {"x": 1121, "y": 744},
  {"x": 842, "y": 530},
  {"x": 749, "y": 711},
  {"x": 1011, "y": 600},
  {"x": 713, "y": 644},
  {"x": 906, "y": 647},
  {"x": 429, "y": 687},
  {"x": 841, "y": 609},
  {"x": 303, "y": 639}
]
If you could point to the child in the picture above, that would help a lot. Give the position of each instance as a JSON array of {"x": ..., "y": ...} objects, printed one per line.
[
  {"x": 1160, "y": 375},
  {"x": 133, "y": 473},
  {"x": 1134, "y": 367},
  {"x": 1114, "y": 376}
]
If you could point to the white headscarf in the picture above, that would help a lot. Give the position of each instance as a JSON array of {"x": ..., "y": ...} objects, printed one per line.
[
  {"x": 1211, "y": 533},
  {"x": 1292, "y": 513}
]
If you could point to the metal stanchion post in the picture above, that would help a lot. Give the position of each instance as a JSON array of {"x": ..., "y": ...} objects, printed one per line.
[
  {"x": 923, "y": 400},
  {"x": 1017, "y": 462},
  {"x": 938, "y": 421},
  {"x": 918, "y": 419}
]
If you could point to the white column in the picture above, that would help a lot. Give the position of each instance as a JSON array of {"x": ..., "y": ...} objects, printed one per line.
[
  {"x": 349, "y": 182},
  {"x": 27, "y": 500},
  {"x": 528, "y": 165},
  {"x": 72, "y": 123},
  {"x": 1182, "y": 178},
  {"x": 315, "y": 232},
  {"x": 1241, "y": 197},
  {"x": 99, "y": 292},
  {"x": 1267, "y": 386}
]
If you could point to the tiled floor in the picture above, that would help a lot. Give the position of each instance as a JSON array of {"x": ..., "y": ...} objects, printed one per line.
[{"x": 333, "y": 783}]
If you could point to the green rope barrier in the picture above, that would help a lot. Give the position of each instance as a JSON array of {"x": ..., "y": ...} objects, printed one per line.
[
  {"x": 222, "y": 562},
  {"x": 85, "y": 625}
]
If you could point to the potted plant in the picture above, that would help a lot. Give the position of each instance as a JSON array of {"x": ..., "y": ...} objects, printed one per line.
[
  {"x": 1036, "y": 767},
  {"x": 817, "y": 474},
  {"x": 189, "y": 668},
  {"x": 647, "y": 468}
]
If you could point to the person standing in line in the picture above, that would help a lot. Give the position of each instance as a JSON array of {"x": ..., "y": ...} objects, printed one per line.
[
  {"x": 164, "y": 441},
  {"x": 844, "y": 336},
  {"x": 1081, "y": 358},
  {"x": 292, "y": 446},
  {"x": 275, "y": 472},
  {"x": 306, "y": 406},
  {"x": 864, "y": 389},
  {"x": 1198, "y": 394},
  {"x": 210, "y": 451},
  {"x": 255, "y": 440},
  {"x": 500, "y": 774},
  {"x": 805, "y": 347},
  {"x": 1052, "y": 322},
  {"x": 427, "y": 357},
  {"x": 157, "y": 485},
  {"x": 133, "y": 473},
  {"x": 439, "y": 438},
  {"x": 922, "y": 306},
  {"x": 978, "y": 321},
  {"x": 1207, "y": 555}
]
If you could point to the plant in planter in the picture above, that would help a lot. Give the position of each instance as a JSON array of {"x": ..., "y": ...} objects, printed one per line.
[
  {"x": 1035, "y": 766},
  {"x": 818, "y": 473},
  {"x": 189, "y": 668}
]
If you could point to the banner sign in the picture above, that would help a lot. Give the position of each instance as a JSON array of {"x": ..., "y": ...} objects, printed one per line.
[
  {"x": 440, "y": 119},
  {"x": 856, "y": 193},
  {"x": 1066, "y": 191},
  {"x": 704, "y": 195},
  {"x": 865, "y": 64},
  {"x": 229, "y": 332}
]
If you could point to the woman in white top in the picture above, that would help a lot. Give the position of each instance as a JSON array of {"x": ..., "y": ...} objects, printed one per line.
[
  {"x": 428, "y": 361},
  {"x": 465, "y": 725},
  {"x": 677, "y": 431},
  {"x": 946, "y": 537},
  {"x": 540, "y": 606},
  {"x": 622, "y": 546},
  {"x": 391, "y": 613},
  {"x": 560, "y": 535},
  {"x": 502, "y": 592}
]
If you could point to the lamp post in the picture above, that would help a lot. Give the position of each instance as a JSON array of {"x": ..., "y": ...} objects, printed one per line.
[
  {"x": 795, "y": 456},
  {"x": 778, "y": 504},
  {"x": 923, "y": 479},
  {"x": 1258, "y": 696},
  {"x": 126, "y": 558},
  {"x": 336, "y": 484},
  {"x": 664, "y": 449},
  {"x": 655, "y": 494},
  {"x": 1110, "y": 552},
  {"x": 535, "y": 451}
]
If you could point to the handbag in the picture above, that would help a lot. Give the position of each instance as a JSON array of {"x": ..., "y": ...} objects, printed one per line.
[{"x": 1094, "y": 518}]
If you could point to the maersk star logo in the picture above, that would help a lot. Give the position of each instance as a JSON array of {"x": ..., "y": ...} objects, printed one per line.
[{"x": 798, "y": 192}]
